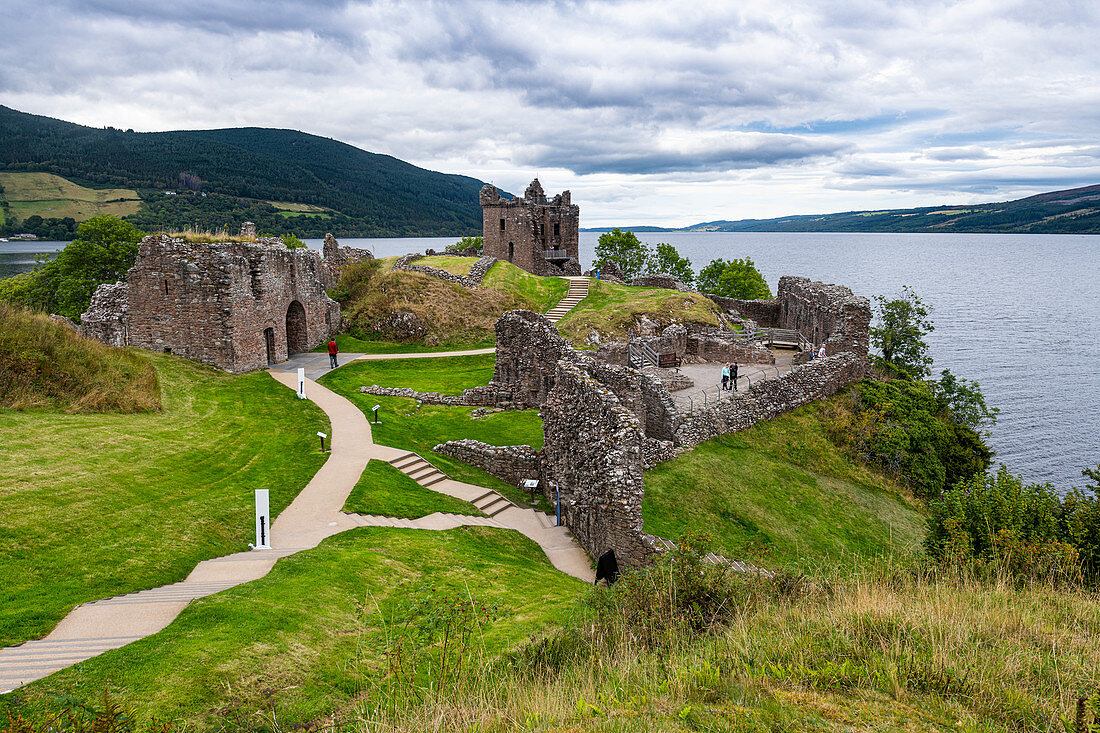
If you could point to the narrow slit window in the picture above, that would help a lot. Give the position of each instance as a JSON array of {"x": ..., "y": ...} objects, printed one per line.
[{"x": 502, "y": 225}]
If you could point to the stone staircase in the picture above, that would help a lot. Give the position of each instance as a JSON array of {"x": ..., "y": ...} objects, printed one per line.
[
  {"x": 578, "y": 291},
  {"x": 711, "y": 558},
  {"x": 418, "y": 469}
]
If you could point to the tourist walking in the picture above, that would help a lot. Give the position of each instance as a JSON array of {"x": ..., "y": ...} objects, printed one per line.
[
  {"x": 733, "y": 376},
  {"x": 821, "y": 352},
  {"x": 332, "y": 353},
  {"x": 726, "y": 376}
]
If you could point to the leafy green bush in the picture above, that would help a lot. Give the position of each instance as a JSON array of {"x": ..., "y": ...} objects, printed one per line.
[
  {"x": 478, "y": 243},
  {"x": 105, "y": 248},
  {"x": 625, "y": 250},
  {"x": 901, "y": 426},
  {"x": 734, "y": 279},
  {"x": 666, "y": 259},
  {"x": 997, "y": 523},
  {"x": 899, "y": 331}
]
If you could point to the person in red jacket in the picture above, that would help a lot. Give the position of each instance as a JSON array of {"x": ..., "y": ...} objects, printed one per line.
[{"x": 332, "y": 353}]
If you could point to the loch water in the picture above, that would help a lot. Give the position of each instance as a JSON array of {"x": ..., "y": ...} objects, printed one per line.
[{"x": 1020, "y": 314}]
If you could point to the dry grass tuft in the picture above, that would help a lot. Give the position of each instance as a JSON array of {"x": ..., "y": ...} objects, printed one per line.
[
  {"x": 205, "y": 236},
  {"x": 45, "y": 364}
]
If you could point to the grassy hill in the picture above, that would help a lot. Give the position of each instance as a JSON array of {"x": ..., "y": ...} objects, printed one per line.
[
  {"x": 100, "y": 505},
  {"x": 46, "y": 365},
  {"x": 47, "y": 195},
  {"x": 374, "y": 195}
]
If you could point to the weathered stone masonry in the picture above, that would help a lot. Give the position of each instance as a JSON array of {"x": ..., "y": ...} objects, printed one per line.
[
  {"x": 540, "y": 235},
  {"x": 824, "y": 313},
  {"x": 235, "y": 305}
]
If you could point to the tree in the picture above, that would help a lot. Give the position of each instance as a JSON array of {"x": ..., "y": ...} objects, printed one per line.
[
  {"x": 734, "y": 279},
  {"x": 665, "y": 258},
  {"x": 625, "y": 250},
  {"x": 105, "y": 248},
  {"x": 478, "y": 243},
  {"x": 963, "y": 401},
  {"x": 902, "y": 325},
  {"x": 292, "y": 242}
]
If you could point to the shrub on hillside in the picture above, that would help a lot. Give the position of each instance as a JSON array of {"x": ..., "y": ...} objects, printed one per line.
[
  {"x": 901, "y": 426},
  {"x": 998, "y": 524},
  {"x": 46, "y": 364}
]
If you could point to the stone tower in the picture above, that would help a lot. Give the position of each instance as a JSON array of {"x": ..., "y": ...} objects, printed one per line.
[{"x": 538, "y": 234}]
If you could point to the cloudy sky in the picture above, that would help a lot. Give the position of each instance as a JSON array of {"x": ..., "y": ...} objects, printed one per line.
[{"x": 650, "y": 112}]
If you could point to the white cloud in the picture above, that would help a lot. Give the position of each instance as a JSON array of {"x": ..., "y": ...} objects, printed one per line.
[{"x": 650, "y": 112}]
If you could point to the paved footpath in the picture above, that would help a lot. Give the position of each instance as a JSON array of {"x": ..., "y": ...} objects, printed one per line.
[{"x": 98, "y": 626}]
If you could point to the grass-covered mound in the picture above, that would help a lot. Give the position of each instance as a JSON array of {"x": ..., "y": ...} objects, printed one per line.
[
  {"x": 784, "y": 489},
  {"x": 384, "y": 490},
  {"x": 414, "y": 308},
  {"x": 99, "y": 505},
  {"x": 420, "y": 427},
  {"x": 47, "y": 365},
  {"x": 354, "y": 627},
  {"x": 612, "y": 310}
]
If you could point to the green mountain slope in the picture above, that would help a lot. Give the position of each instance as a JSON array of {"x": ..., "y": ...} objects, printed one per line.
[
  {"x": 1072, "y": 211},
  {"x": 373, "y": 194}
]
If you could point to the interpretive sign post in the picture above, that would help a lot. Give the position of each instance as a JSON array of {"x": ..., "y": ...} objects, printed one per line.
[
  {"x": 301, "y": 383},
  {"x": 263, "y": 521}
]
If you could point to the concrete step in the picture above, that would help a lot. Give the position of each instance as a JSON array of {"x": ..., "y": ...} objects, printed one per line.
[
  {"x": 405, "y": 460},
  {"x": 431, "y": 481},
  {"x": 419, "y": 470},
  {"x": 496, "y": 507}
]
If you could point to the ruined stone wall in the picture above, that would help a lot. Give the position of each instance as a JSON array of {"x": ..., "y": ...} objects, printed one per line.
[
  {"x": 528, "y": 346},
  {"x": 770, "y": 398},
  {"x": 592, "y": 449},
  {"x": 108, "y": 316},
  {"x": 520, "y": 230},
  {"x": 716, "y": 348},
  {"x": 336, "y": 258},
  {"x": 825, "y": 314},
  {"x": 214, "y": 302},
  {"x": 659, "y": 280},
  {"x": 511, "y": 463}
]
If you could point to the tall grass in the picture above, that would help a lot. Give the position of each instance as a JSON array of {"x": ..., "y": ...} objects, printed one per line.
[
  {"x": 206, "y": 236},
  {"x": 45, "y": 364},
  {"x": 885, "y": 647}
]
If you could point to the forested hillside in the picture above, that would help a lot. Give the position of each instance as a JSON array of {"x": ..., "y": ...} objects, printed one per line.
[
  {"x": 1073, "y": 211},
  {"x": 348, "y": 190}
]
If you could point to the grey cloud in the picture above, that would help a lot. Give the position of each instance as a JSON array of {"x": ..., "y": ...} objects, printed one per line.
[{"x": 646, "y": 159}]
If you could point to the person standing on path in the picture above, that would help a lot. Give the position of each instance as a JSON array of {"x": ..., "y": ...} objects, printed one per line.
[
  {"x": 332, "y": 353},
  {"x": 821, "y": 352},
  {"x": 726, "y": 376},
  {"x": 733, "y": 376}
]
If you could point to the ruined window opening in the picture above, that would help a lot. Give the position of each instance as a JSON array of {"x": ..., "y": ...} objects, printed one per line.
[
  {"x": 502, "y": 225},
  {"x": 166, "y": 286},
  {"x": 557, "y": 229},
  {"x": 511, "y": 251}
]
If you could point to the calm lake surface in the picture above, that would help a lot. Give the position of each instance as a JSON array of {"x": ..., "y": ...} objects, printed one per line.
[{"x": 1020, "y": 314}]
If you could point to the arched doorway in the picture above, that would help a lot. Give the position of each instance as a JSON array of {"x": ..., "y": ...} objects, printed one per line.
[
  {"x": 296, "y": 340},
  {"x": 269, "y": 344}
]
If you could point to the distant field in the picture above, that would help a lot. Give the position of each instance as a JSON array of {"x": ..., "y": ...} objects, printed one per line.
[
  {"x": 48, "y": 195},
  {"x": 301, "y": 208}
]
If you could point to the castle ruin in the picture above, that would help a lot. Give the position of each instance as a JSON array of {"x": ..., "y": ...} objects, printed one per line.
[
  {"x": 239, "y": 306},
  {"x": 540, "y": 235}
]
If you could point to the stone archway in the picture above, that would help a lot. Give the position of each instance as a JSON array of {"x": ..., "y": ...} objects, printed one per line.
[{"x": 296, "y": 339}]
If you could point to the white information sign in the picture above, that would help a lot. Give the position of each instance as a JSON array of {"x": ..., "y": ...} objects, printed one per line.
[
  {"x": 301, "y": 383},
  {"x": 263, "y": 521}
]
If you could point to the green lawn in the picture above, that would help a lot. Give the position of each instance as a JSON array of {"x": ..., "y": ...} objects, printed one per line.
[
  {"x": 99, "y": 505},
  {"x": 307, "y": 640},
  {"x": 420, "y": 428},
  {"x": 610, "y": 309},
  {"x": 540, "y": 293},
  {"x": 450, "y": 263},
  {"x": 383, "y": 490},
  {"x": 781, "y": 486}
]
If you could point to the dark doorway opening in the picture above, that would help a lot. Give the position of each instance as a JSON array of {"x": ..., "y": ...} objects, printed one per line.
[
  {"x": 296, "y": 341},
  {"x": 511, "y": 251},
  {"x": 269, "y": 342}
]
